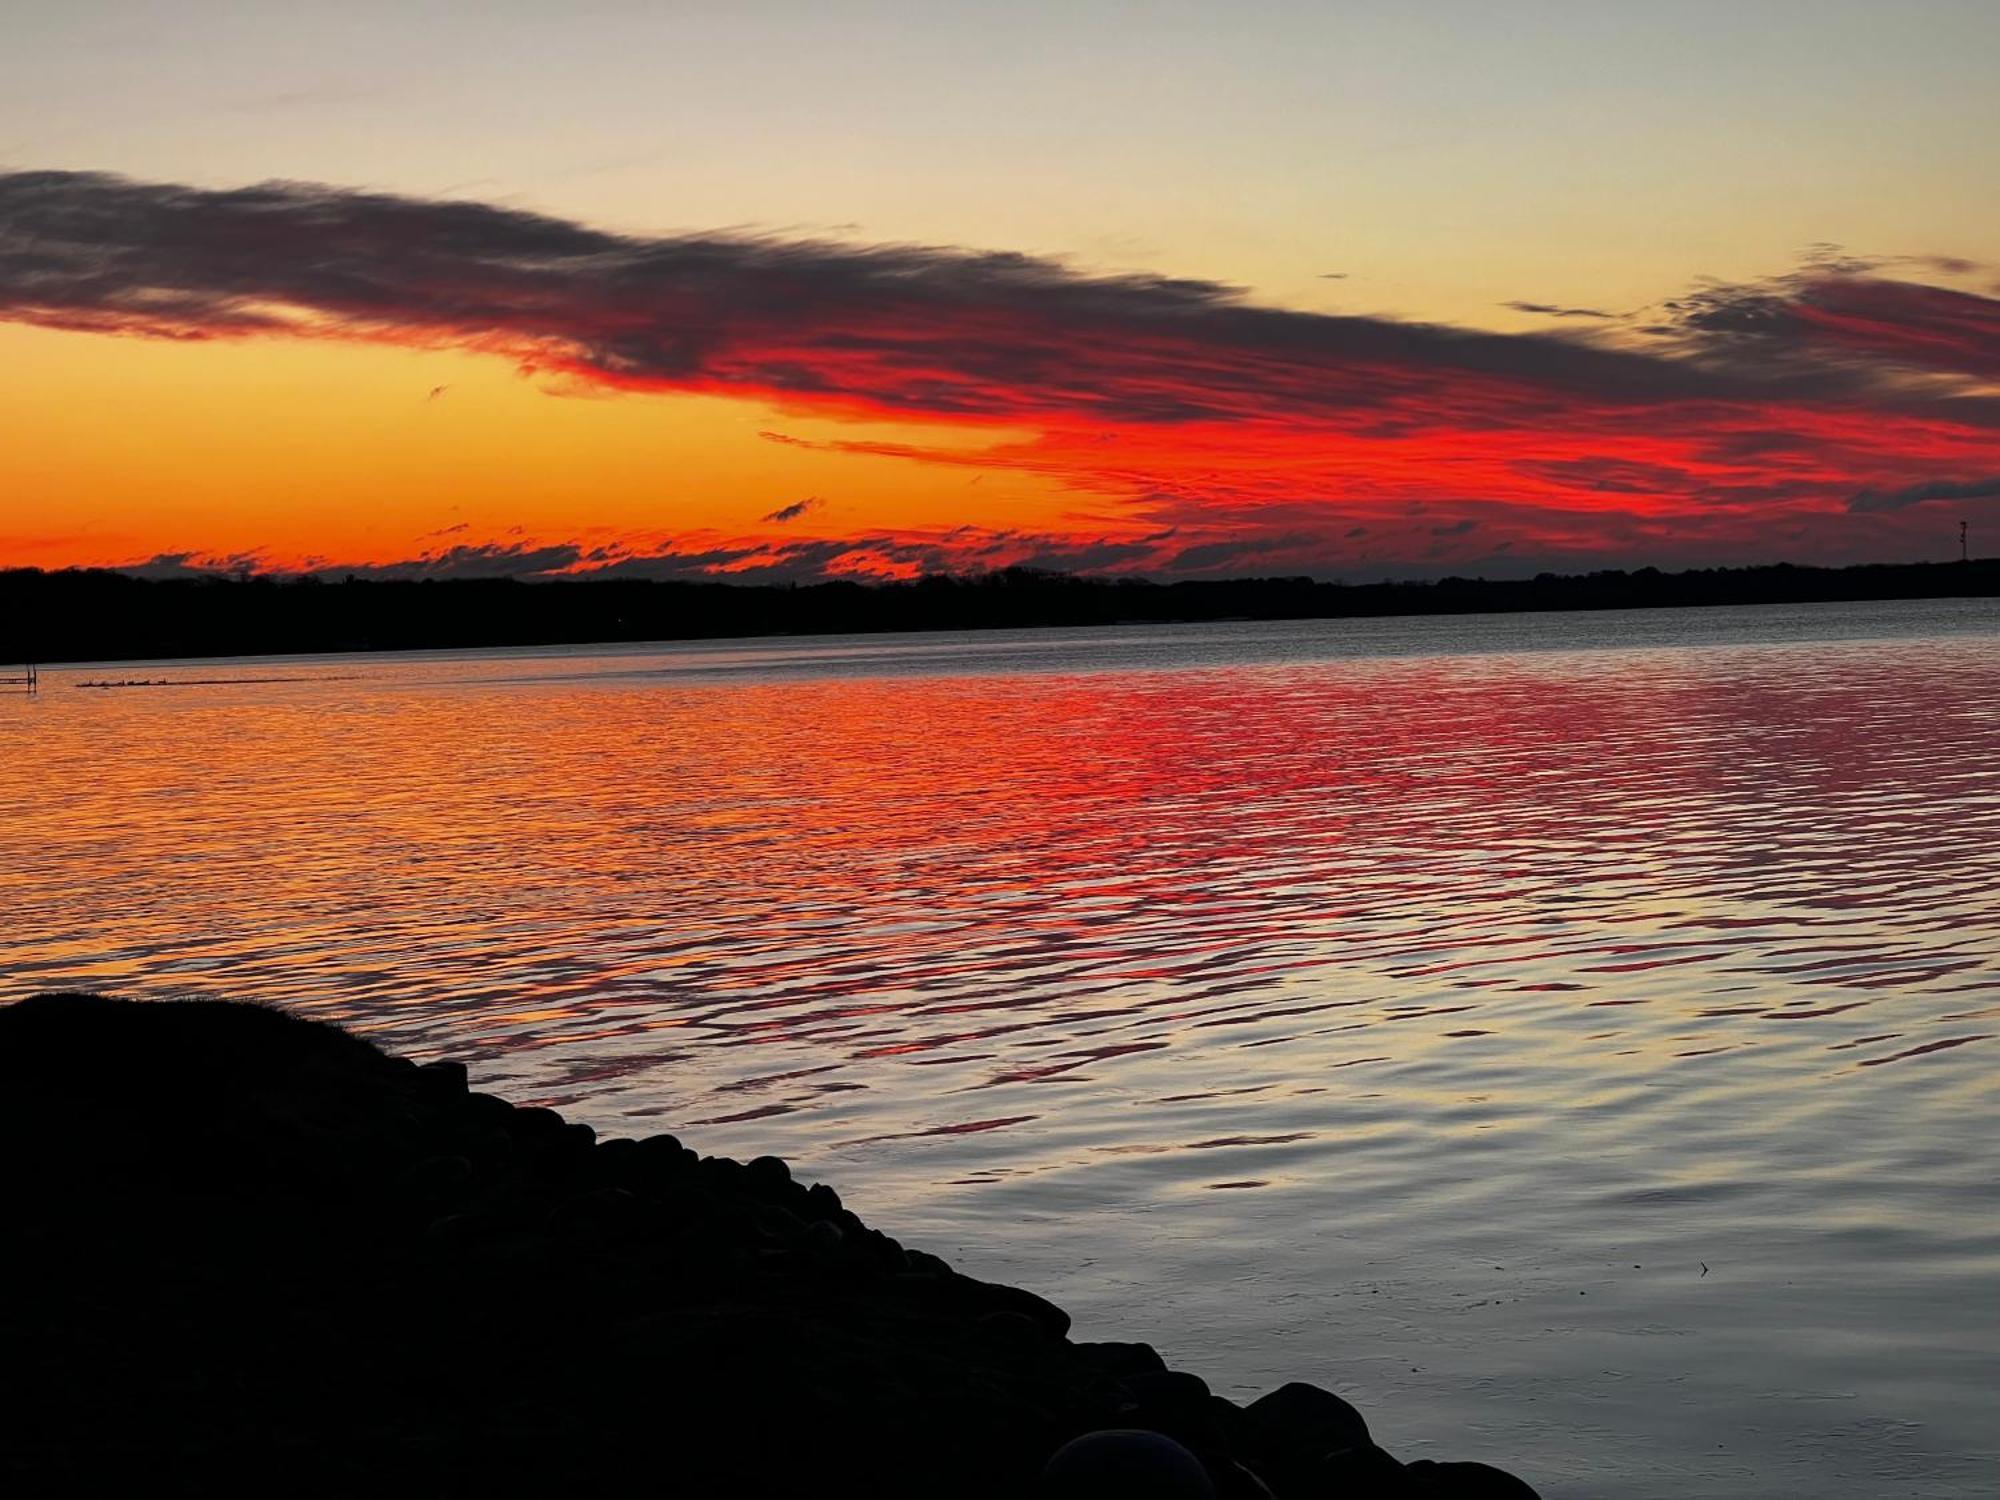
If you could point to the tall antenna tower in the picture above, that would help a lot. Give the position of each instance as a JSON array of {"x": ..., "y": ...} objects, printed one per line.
[{"x": 1963, "y": 555}]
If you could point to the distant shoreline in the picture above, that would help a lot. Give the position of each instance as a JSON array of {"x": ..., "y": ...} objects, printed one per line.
[{"x": 99, "y": 615}]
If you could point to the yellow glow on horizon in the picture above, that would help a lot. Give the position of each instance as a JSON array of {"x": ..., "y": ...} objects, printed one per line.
[{"x": 341, "y": 451}]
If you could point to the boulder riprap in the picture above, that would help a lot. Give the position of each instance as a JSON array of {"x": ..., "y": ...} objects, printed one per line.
[{"x": 246, "y": 1250}]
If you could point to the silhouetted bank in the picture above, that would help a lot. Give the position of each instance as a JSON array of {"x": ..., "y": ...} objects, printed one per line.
[
  {"x": 99, "y": 615},
  {"x": 248, "y": 1251}
]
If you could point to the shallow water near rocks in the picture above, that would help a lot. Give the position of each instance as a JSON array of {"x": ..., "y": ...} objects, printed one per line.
[{"x": 1570, "y": 1037}]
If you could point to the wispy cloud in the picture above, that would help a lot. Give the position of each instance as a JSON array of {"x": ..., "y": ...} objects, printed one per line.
[
  {"x": 793, "y": 511},
  {"x": 1916, "y": 494},
  {"x": 1551, "y": 310},
  {"x": 1845, "y": 320}
]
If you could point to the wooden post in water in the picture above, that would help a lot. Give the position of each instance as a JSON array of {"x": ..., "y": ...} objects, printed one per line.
[{"x": 30, "y": 680}]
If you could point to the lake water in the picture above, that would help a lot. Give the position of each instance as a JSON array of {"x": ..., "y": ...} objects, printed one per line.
[{"x": 1572, "y": 1037}]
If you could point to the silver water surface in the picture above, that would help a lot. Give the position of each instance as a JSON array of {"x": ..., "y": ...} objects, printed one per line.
[{"x": 1571, "y": 1037}]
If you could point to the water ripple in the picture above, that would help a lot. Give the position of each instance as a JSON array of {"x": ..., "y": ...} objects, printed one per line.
[{"x": 1454, "y": 945}]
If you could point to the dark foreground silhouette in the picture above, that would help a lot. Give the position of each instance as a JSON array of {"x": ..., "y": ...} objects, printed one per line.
[
  {"x": 248, "y": 1251},
  {"x": 99, "y": 615}
]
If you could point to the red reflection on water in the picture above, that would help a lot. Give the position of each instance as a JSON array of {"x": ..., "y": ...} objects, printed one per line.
[{"x": 965, "y": 870}]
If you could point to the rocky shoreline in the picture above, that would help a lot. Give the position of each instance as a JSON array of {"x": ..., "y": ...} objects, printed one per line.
[{"x": 249, "y": 1250}]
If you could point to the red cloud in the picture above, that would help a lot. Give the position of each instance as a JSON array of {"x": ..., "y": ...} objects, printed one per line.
[{"x": 1234, "y": 426}]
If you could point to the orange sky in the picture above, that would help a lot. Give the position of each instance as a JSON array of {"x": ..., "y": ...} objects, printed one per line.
[
  {"x": 294, "y": 451},
  {"x": 1351, "y": 197}
]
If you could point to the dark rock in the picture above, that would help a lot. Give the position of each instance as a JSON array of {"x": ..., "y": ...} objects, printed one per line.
[
  {"x": 1125, "y": 1464},
  {"x": 1467, "y": 1481},
  {"x": 1167, "y": 1386},
  {"x": 1179, "y": 1405},
  {"x": 619, "y": 1159},
  {"x": 823, "y": 1201},
  {"x": 1120, "y": 1359},
  {"x": 1039, "y": 1310},
  {"x": 491, "y": 1108},
  {"x": 436, "y": 1180},
  {"x": 360, "y": 1278},
  {"x": 1363, "y": 1470},
  {"x": 1239, "y": 1433},
  {"x": 891, "y": 1257},
  {"x": 1300, "y": 1416},
  {"x": 1233, "y": 1481},
  {"x": 1013, "y": 1328},
  {"x": 609, "y": 1209},
  {"x": 778, "y": 1224},
  {"x": 452, "y": 1229},
  {"x": 666, "y": 1160},
  {"x": 444, "y": 1077},
  {"x": 723, "y": 1174},
  {"x": 537, "y": 1123}
]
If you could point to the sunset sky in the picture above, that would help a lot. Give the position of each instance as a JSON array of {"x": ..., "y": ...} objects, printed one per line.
[{"x": 789, "y": 290}]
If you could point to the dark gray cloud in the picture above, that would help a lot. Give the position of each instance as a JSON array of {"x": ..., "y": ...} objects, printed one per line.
[
  {"x": 1551, "y": 310},
  {"x": 1916, "y": 494},
  {"x": 469, "y": 560},
  {"x": 787, "y": 562},
  {"x": 1949, "y": 265},
  {"x": 1832, "y": 318},
  {"x": 164, "y": 565},
  {"x": 896, "y": 328},
  {"x": 796, "y": 509},
  {"x": 1087, "y": 556},
  {"x": 1231, "y": 556},
  {"x": 811, "y": 560}
]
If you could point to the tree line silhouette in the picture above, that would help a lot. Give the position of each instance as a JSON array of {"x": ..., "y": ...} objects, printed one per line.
[{"x": 95, "y": 614}]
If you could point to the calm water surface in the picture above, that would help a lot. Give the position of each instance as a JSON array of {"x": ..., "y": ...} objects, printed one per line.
[{"x": 1416, "y": 1007}]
